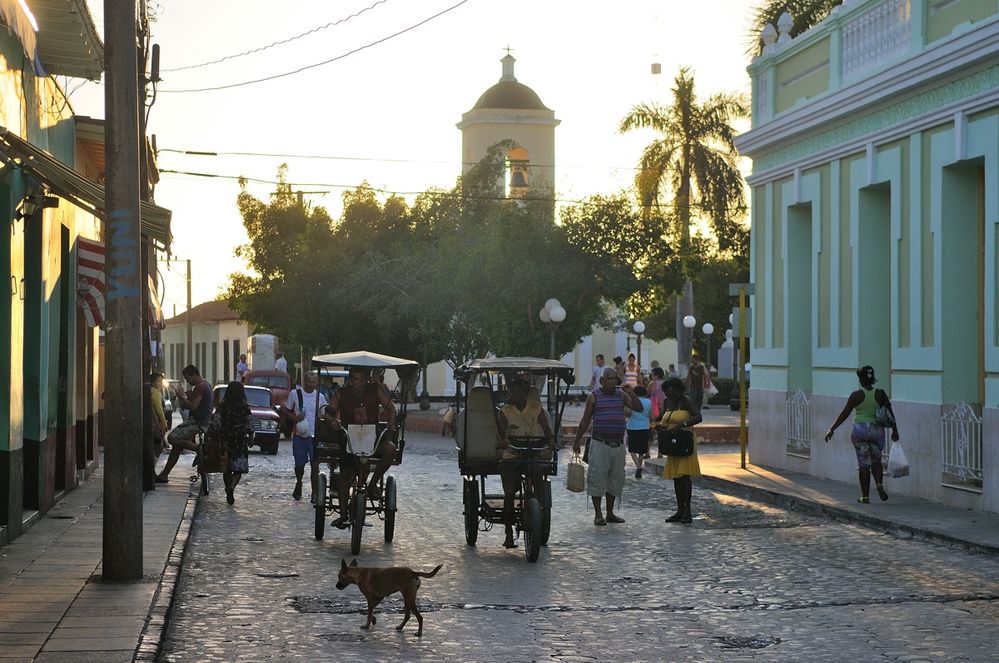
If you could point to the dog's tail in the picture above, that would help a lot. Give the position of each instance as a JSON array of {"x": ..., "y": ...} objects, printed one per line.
[{"x": 424, "y": 574}]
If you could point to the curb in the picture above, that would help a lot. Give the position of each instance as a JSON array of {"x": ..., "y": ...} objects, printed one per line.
[
  {"x": 837, "y": 513},
  {"x": 151, "y": 639}
]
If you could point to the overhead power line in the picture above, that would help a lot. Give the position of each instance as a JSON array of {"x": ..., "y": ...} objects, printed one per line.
[
  {"x": 277, "y": 43},
  {"x": 329, "y": 157},
  {"x": 324, "y": 62},
  {"x": 258, "y": 180}
]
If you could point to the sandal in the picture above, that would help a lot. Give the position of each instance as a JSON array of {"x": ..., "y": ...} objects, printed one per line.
[
  {"x": 614, "y": 518},
  {"x": 340, "y": 523},
  {"x": 599, "y": 521},
  {"x": 882, "y": 493},
  {"x": 864, "y": 500}
]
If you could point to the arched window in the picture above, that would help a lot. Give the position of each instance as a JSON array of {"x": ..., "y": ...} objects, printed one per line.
[{"x": 517, "y": 176}]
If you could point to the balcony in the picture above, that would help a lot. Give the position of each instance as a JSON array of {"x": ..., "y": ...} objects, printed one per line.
[{"x": 857, "y": 42}]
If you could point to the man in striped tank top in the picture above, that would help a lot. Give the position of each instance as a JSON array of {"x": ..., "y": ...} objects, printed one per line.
[{"x": 605, "y": 474}]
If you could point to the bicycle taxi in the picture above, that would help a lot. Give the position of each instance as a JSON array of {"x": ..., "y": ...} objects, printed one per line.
[
  {"x": 477, "y": 435},
  {"x": 353, "y": 447}
]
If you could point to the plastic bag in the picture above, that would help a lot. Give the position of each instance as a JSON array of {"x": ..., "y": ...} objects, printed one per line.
[
  {"x": 712, "y": 390},
  {"x": 575, "y": 476},
  {"x": 898, "y": 464}
]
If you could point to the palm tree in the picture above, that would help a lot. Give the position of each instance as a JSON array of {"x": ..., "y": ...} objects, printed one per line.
[
  {"x": 692, "y": 168},
  {"x": 805, "y": 13}
]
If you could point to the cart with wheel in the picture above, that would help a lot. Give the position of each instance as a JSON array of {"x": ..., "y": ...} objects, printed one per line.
[
  {"x": 477, "y": 438},
  {"x": 353, "y": 449}
]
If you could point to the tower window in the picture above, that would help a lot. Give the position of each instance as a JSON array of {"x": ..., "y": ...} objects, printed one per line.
[{"x": 517, "y": 172}]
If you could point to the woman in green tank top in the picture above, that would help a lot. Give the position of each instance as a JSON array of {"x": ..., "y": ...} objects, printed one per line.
[{"x": 868, "y": 434}]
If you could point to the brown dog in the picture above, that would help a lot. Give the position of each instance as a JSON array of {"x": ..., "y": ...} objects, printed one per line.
[{"x": 376, "y": 584}]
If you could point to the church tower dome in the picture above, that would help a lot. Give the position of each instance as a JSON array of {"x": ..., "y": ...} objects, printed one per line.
[{"x": 510, "y": 110}]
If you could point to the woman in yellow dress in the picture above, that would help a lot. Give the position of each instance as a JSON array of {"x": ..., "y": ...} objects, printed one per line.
[{"x": 679, "y": 411}]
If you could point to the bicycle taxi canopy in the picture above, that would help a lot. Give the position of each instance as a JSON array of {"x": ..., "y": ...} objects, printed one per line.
[{"x": 477, "y": 427}]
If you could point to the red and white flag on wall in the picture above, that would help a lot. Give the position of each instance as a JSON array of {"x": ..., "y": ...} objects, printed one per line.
[{"x": 90, "y": 280}]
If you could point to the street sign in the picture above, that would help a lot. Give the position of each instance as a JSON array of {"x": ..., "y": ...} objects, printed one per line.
[
  {"x": 735, "y": 321},
  {"x": 733, "y": 289}
]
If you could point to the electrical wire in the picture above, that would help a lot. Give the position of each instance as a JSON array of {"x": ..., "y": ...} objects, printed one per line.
[
  {"x": 275, "y": 155},
  {"x": 324, "y": 62},
  {"x": 276, "y": 43},
  {"x": 567, "y": 201}
]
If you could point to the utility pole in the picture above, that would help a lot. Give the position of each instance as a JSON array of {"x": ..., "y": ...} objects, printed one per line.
[
  {"x": 122, "y": 533},
  {"x": 190, "y": 328}
]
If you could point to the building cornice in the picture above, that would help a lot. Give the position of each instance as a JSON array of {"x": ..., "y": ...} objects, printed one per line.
[
  {"x": 955, "y": 58},
  {"x": 497, "y": 118}
]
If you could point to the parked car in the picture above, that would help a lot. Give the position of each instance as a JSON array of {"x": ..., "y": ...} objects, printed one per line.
[
  {"x": 279, "y": 384},
  {"x": 266, "y": 420}
]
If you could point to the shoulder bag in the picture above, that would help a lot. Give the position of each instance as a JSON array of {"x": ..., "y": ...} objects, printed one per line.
[{"x": 675, "y": 442}]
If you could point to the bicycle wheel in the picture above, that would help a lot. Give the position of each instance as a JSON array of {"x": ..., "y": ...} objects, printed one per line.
[
  {"x": 390, "y": 502},
  {"x": 471, "y": 499},
  {"x": 532, "y": 529},
  {"x": 320, "y": 506},
  {"x": 357, "y": 509}
]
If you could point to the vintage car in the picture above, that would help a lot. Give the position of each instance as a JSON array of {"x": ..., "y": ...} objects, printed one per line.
[
  {"x": 266, "y": 420},
  {"x": 279, "y": 383}
]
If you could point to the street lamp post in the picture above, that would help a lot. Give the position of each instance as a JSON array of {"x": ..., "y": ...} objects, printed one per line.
[
  {"x": 639, "y": 328},
  {"x": 708, "y": 330},
  {"x": 689, "y": 322},
  {"x": 552, "y": 314}
]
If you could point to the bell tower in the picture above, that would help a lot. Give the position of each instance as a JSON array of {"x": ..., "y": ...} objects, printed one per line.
[{"x": 510, "y": 110}]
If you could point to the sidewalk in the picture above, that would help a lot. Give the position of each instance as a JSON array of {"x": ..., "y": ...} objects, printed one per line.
[
  {"x": 54, "y": 605},
  {"x": 976, "y": 531}
]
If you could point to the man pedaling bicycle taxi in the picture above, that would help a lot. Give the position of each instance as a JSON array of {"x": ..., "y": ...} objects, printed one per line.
[
  {"x": 520, "y": 417},
  {"x": 359, "y": 403}
]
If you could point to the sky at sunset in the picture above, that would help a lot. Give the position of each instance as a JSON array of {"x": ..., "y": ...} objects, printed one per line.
[{"x": 388, "y": 110}]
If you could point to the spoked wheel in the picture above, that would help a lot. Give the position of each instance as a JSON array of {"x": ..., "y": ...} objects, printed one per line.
[
  {"x": 471, "y": 511},
  {"x": 390, "y": 502},
  {"x": 546, "y": 524},
  {"x": 532, "y": 529},
  {"x": 320, "y": 506},
  {"x": 357, "y": 509}
]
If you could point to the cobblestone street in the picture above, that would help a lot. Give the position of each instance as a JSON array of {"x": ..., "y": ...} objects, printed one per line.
[{"x": 744, "y": 582}]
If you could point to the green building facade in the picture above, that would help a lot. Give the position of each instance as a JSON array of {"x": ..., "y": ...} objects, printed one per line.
[{"x": 875, "y": 206}]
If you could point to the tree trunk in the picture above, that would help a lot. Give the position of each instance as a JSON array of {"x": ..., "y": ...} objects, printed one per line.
[{"x": 684, "y": 307}]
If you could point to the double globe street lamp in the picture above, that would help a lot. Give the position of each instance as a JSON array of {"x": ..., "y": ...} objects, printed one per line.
[
  {"x": 552, "y": 314},
  {"x": 689, "y": 322}
]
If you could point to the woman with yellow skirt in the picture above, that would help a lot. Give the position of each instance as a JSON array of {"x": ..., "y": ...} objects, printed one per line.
[{"x": 679, "y": 411}]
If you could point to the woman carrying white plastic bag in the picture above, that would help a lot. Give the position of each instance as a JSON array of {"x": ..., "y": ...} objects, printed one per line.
[{"x": 872, "y": 415}]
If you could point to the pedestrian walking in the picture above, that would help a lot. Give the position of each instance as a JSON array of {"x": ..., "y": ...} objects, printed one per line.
[
  {"x": 671, "y": 371},
  {"x": 697, "y": 380},
  {"x": 301, "y": 408},
  {"x": 619, "y": 368},
  {"x": 633, "y": 372},
  {"x": 241, "y": 367},
  {"x": 281, "y": 364},
  {"x": 868, "y": 434},
  {"x": 598, "y": 370},
  {"x": 232, "y": 427},
  {"x": 656, "y": 393},
  {"x": 638, "y": 430},
  {"x": 681, "y": 412},
  {"x": 605, "y": 473}
]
